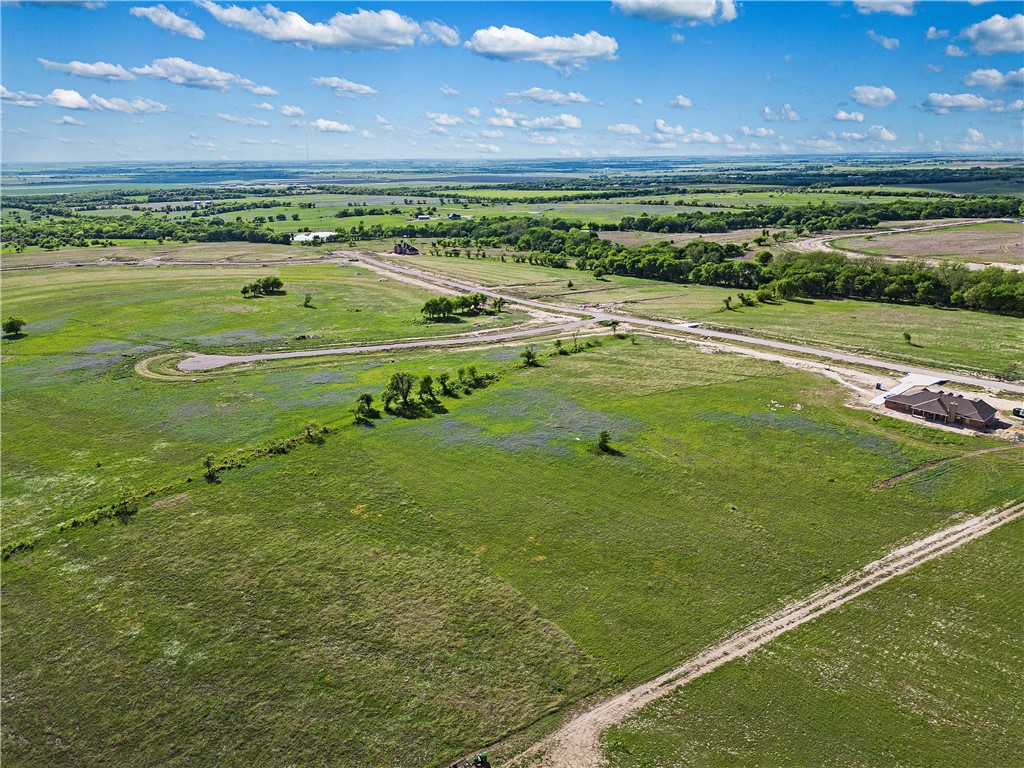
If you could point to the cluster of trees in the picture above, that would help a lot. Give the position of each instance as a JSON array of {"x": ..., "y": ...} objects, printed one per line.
[
  {"x": 345, "y": 213},
  {"x": 823, "y": 216},
  {"x": 443, "y": 307},
  {"x": 266, "y": 286},
  {"x": 82, "y": 231},
  {"x": 947, "y": 285},
  {"x": 817, "y": 275},
  {"x": 403, "y": 386}
]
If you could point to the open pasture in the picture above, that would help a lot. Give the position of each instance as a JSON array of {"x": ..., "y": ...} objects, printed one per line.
[
  {"x": 393, "y": 573},
  {"x": 925, "y": 670}
]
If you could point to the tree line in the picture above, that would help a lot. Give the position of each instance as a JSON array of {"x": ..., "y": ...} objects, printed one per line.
[{"x": 820, "y": 275}]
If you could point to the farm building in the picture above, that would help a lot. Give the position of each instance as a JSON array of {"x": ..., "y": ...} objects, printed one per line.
[
  {"x": 404, "y": 249},
  {"x": 945, "y": 407}
]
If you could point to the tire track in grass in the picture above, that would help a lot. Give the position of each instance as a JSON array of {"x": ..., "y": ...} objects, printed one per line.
[
  {"x": 577, "y": 743},
  {"x": 888, "y": 483}
]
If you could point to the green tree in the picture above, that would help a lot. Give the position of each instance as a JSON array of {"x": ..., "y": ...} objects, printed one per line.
[
  {"x": 127, "y": 503},
  {"x": 604, "y": 441},
  {"x": 398, "y": 388},
  {"x": 529, "y": 358},
  {"x": 308, "y": 300},
  {"x": 427, "y": 390},
  {"x": 498, "y": 303},
  {"x": 12, "y": 325},
  {"x": 906, "y": 336},
  {"x": 438, "y": 306}
]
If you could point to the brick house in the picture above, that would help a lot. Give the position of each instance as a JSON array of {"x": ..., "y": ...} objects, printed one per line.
[{"x": 944, "y": 407}]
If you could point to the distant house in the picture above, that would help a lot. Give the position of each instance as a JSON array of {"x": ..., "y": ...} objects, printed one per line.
[
  {"x": 404, "y": 249},
  {"x": 423, "y": 217},
  {"x": 454, "y": 216},
  {"x": 944, "y": 407}
]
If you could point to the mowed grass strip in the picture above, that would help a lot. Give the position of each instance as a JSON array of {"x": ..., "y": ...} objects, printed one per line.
[{"x": 926, "y": 670}]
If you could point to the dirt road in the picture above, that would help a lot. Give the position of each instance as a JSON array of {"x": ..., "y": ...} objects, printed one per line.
[
  {"x": 577, "y": 744},
  {"x": 394, "y": 270}
]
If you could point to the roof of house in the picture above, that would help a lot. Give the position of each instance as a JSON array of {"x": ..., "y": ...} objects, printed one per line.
[{"x": 939, "y": 403}]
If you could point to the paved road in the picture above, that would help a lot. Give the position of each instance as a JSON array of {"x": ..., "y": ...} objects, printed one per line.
[{"x": 586, "y": 317}]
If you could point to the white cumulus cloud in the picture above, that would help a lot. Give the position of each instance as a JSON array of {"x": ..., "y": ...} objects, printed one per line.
[
  {"x": 292, "y": 111},
  {"x": 563, "y": 53},
  {"x": 881, "y": 133},
  {"x": 627, "y": 129},
  {"x": 993, "y": 79},
  {"x": 785, "y": 114},
  {"x": 70, "y": 99},
  {"x": 760, "y": 133},
  {"x": 545, "y": 96},
  {"x": 265, "y": 105},
  {"x": 166, "y": 19},
  {"x": 876, "y": 96},
  {"x": 679, "y": 11},
  {"x": 253, "y": 121},
  {"x": 997, "y": 34},
  {"x": 130, "y": 107},
  {"x": 330, "y": 126},
  {"x": 895, "y": 7},
  {"x": 944, "y": 103},
  {"x": 67, "y": 120},
  {"x": 447, "y": 90},
  {"x": 495, "y": 134},
  {"x": 934, "y": 33},
  {"x": 20, "y": 98},
  {"x": 852, "y": 117},
  {"x": 889, "y": 43},
  {"x": 99, "y": 70},
  {"x": 503, "y": 118},
  {"x": 680, "y": 101},
  {"x": 552, "y": 123},
  {"x": 443, "y": 118},
  {"x": 490, "y": 149},
  {"x": 191, "y": 75},
  {"x": 362, "y": 30},
  {"x": 346, "y": 89}
]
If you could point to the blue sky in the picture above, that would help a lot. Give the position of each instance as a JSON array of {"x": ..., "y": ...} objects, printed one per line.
[{"x": 93, "y": 81}]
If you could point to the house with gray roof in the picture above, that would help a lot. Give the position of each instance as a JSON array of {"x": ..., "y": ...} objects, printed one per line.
[{"x": 945, "y": 407}]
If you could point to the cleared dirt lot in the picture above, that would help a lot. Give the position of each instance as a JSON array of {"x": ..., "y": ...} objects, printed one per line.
[{"x": 992, "y": 242}]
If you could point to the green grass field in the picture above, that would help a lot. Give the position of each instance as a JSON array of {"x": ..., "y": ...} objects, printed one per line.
[
  {"x": 316, "y": 568},
  {"x": 963, "y": 340},
  {"x": 926, "y": 670},
  {"x": 409, "y": 592}
]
